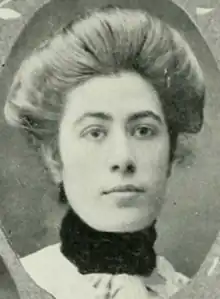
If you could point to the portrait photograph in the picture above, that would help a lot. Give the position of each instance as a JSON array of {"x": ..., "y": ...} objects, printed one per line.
[{"x": 110, "y": 147}]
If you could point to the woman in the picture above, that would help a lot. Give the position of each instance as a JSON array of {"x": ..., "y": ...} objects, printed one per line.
[{"x": 105, "y": 101}]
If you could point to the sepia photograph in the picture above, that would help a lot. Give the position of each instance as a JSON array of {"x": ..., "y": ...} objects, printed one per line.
[{"x": 110, "y": 141}]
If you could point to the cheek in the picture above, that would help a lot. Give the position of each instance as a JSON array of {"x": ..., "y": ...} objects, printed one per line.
[
  {"x": 76, "y": 155},
  {"x": 154, "y": 159},
  {"x": 81, "y": 166},
  {"x": 156, "y": 172}
]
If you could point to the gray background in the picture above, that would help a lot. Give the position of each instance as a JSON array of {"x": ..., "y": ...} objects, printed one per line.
[{"x": 28, "y": 205}]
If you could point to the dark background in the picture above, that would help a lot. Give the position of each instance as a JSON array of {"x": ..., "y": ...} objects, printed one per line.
[{"x": 28, "y": 207}]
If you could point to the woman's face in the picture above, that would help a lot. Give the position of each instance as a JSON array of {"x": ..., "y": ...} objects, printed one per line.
[{"x": 114, "y": 148}]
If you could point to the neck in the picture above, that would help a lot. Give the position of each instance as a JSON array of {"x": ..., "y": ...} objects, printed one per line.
[{"x": 104, "y": 252}]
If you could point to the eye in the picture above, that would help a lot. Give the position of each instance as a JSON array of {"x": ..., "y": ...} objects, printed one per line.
[
  {"x": 144, "y": 131},
  {"x": 94, "y": 133}
]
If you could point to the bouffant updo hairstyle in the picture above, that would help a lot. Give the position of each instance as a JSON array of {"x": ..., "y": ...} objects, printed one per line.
[{"x": 104, "y": 42}]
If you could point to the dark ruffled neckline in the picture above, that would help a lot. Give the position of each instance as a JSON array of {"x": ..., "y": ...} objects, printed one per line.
[{"x": 103, "y": 252}]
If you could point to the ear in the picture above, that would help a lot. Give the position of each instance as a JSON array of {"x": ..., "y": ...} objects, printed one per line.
[{"x": 52, "y": 162}]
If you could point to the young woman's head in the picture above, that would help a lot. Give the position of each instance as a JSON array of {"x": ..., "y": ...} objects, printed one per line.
[{"x": 105, "y": 100}]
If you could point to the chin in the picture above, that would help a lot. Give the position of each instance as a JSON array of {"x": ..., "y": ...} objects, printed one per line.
[
  {"x": 127, "y": 225},
  {"x": 119, "y": 220}
]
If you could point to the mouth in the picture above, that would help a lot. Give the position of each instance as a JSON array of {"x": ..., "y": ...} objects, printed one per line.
[{"x": 124, "y": 189}]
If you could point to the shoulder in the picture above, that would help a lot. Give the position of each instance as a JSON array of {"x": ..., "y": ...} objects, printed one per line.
[
  {"x": 51, "y": 271},
  {"x": 48, "y": 260},
  {"x": 173, "y": 280},
  {"x": 166, "y": 269}
]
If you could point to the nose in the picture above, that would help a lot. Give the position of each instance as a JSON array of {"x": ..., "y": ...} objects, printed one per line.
[{"x": 123, "y": 160}]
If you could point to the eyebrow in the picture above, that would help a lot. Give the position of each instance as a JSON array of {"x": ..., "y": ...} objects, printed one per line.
[
  {"x": 99, "y": 115},
  {"x": 145, "y": 114},
  {"x": 133, "y": 117}
]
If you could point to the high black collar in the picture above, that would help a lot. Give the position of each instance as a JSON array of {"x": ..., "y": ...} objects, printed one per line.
[{"x": 103, "y": 252}]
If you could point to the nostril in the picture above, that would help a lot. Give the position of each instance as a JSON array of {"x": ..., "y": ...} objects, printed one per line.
[
  {"x": 115, "y": 167},
  {"x": 131, "y": 168}
]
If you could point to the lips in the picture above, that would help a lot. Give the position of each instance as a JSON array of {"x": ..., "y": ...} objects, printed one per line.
[{"x": 124, "y": 188}]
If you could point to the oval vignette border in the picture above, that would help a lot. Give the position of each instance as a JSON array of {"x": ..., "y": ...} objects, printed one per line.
[{"x": 209, "y": 28}]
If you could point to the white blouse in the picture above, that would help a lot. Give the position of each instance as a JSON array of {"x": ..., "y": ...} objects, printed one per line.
[{"x": 54, "y": 273}]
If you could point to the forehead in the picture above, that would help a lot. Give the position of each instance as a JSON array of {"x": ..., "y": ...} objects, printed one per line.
[{"x": 116, "y": 94}]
